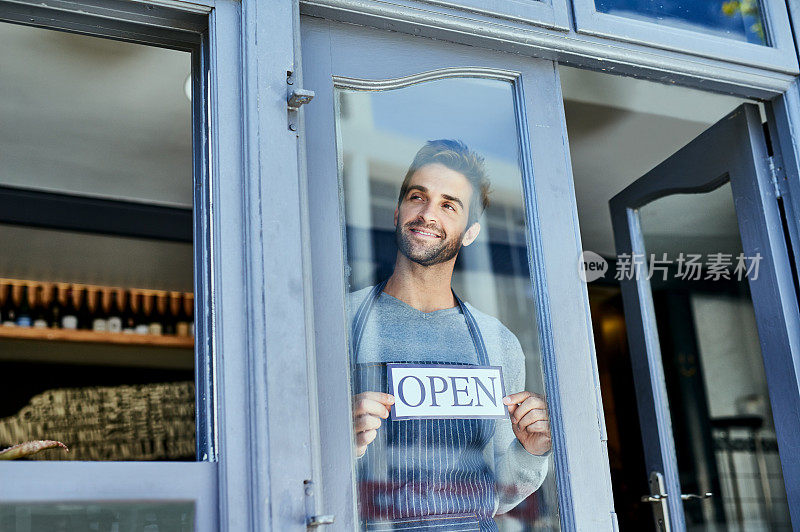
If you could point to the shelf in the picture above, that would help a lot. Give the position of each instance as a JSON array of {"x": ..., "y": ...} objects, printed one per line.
[{"x": 93, "y": 337}]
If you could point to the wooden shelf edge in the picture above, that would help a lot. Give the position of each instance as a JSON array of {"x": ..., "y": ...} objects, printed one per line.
[{"x": 93, "y": 337}]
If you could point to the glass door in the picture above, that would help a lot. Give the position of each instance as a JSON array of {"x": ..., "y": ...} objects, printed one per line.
[
  {"x": 712, "y": 321},
  {"x": 428, "y": 256}
]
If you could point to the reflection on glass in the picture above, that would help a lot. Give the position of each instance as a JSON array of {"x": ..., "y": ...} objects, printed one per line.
[
  {"x": 719, "y": 403},
  {"x": 100, "y": 517},
  {"x": 741, "y": 20},
  {"x": 431, "y": 287}
]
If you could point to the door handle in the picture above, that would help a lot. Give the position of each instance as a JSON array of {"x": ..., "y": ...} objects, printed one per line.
[
  {"x": 658, "y": 496},
  {"x": 691, "y": 496}
]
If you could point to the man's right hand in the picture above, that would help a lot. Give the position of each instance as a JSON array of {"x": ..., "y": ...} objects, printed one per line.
[{"x": 368, "y": 410}]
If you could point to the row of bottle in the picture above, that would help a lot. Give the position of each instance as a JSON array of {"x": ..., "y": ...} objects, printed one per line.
[{"x": 102, "y": 309}]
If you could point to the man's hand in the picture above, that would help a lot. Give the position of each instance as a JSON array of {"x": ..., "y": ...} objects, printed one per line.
[
  {"x": 368, "y": 410},
  {"x": 529, "y": 421}
]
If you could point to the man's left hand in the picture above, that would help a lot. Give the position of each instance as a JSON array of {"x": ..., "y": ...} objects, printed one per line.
[{"x": 529, "y": 421}]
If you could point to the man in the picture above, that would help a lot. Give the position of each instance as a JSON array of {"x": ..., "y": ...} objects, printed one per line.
[{"x": 439, "y": 474}]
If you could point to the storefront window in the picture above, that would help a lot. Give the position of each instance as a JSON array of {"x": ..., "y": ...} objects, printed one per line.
[
  {"x": 96, "y": 274},
  {"x": 450, "y": 419},
  {"x": 741, "y": 20}
]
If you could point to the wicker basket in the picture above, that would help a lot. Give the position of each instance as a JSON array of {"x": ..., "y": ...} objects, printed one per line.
[{"x": 141, "y": 422}]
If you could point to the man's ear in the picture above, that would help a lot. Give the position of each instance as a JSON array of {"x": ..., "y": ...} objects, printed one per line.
[
  {"x": 471, "y": 234},
  {"x": 395, "y": 217}
]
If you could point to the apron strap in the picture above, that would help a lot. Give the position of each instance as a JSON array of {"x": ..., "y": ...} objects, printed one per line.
[
  {"x": 474, "y": 332},
  {"x": 360, "y": 321}
]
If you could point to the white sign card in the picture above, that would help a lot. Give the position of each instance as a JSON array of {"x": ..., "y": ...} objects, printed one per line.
[{"x": 440, "y": 391}]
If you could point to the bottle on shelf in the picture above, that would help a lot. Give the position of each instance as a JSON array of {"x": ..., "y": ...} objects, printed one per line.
[
  {"x": 98, "y": 310},
  {"x": 82, "y": 304},
  {"x": 156, "y": 322},
  {"x": 141, "y": 317},
  {"x": 173, "y": 309},
  {"x": 188, "y": 308},
  {"x": 114, "y": 320},
  {"x": 181, "y": 319},
  {"x": 24, "y": 309},
  {"x": 69, "y": 314},
  {"x": 128, "y": 318},
  {"x": 167, "y": 318},
  {"x": 39, "y": 312},
  {"x": 9, "y": 312},
  {"x": 57, "y": 304}
]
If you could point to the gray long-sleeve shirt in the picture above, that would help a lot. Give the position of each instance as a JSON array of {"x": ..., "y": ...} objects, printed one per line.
[{"x": 396, "y": 331}]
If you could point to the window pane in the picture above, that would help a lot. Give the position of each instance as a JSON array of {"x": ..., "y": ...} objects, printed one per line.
[
  {"x": 716, "y": 384},
  {"x": 448, "y": 466},
  {"x": 106, "y": 517},
  {"x": 741, "y": 20},
  {"x": 96, "y": 299}
]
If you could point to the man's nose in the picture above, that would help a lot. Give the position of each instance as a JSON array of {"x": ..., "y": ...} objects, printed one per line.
[{"x": 428, "y": 213}]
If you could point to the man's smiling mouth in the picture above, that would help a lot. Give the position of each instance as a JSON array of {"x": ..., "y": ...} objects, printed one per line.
[{"x": 424, "y": 233}]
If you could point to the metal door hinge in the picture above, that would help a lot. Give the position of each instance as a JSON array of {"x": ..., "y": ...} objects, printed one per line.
[
  {"x": 295, "y": 98},
  {"x": 776, "y": 176},
  {"x": 312, "y": 519}
]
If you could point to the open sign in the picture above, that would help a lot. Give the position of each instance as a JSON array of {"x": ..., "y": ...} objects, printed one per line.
[{"x": 439, "y": 391}]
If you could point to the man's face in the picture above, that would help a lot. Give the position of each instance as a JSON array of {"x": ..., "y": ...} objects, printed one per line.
[{"x": 431, "y": 221}]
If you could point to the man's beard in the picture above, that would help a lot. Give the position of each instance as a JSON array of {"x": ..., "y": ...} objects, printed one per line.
[{"x": 427, "y": 256}]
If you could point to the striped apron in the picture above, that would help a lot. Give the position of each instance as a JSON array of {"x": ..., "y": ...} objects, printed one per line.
[{"x": 423, "y": 474}]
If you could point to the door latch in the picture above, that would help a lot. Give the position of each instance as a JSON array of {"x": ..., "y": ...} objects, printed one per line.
[
  {"x": 319, "y": 520},
  {"x": 312, "y": 519},
  {"x": 298, "y": 98}
]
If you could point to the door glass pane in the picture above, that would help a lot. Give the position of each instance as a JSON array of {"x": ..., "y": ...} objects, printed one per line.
[
  {"x": 447, "y": 140},
  {"x": 102, "y": 517},
  {"x": 96, "y": 345},
  {"x": 741, "y": 20},
  {"x": 718, "y": 397}
]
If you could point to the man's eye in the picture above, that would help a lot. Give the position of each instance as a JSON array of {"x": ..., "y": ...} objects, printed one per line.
[{"x": 449, "y": 206}]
